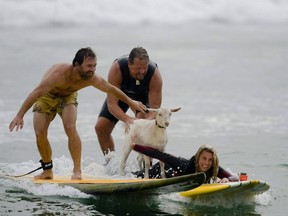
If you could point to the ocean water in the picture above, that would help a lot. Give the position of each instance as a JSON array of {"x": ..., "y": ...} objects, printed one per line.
[{"x": 223, "y": 62}]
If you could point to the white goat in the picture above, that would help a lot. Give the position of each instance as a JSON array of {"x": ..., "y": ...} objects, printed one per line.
[{"x": 150, "y": 133}]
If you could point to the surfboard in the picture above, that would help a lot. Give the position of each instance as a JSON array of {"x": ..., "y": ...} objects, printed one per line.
[
  {"x": 252, "y": 187},
  {"x": 151, "y": 186}
]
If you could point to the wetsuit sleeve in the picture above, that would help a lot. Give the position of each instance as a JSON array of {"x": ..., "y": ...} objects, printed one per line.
[
  {"x": 171, "y": 160},
  {"x": 222, "y": 173},
  {"x": 190, "y": 167}
]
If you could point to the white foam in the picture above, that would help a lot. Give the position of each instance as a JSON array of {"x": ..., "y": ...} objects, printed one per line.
[
  {"x": 67, "y": 12},
  {"x": 221, "y": 201},
  {"x": 51, "y": 190},
  {"x": 264, "y": 199},
  {"x": 61, "y": 167}
]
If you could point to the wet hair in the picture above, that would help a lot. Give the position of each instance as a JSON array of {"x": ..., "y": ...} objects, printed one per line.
[
  {"x": 213, "y": 170},
  {"x": 138, "y": 52},
  {"x": 82, "y": 54}
]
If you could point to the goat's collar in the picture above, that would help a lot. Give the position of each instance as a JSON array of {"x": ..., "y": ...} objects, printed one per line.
[{"x": 159, "y": 125}]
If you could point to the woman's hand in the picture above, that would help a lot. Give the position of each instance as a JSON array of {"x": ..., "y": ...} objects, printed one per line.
[{"x": 224, "y": 180}]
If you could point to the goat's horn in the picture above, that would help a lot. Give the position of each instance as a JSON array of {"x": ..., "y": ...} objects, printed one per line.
[
  {"x": 175, "y": 110},
  {"x": 151, "y": 110}
]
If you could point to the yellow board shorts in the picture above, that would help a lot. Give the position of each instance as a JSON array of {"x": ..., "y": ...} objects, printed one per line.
[{"x": 51, "y": 104}]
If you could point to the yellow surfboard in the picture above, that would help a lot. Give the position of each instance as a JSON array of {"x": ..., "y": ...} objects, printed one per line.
[
  {"x": 155, "y": 186},
  {"x": 252, "y": 187}
]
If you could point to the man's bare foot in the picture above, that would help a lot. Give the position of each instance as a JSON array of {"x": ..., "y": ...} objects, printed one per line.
[
  {"x": 76, "y": 176},
  {"x": 46, "y": 174}
]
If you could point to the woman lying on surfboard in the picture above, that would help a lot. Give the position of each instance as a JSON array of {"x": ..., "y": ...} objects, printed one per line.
[{"x": 205, "y": 160}]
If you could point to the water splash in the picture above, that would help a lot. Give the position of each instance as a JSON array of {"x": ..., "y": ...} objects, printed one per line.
[{"x": 72, "y": 12}]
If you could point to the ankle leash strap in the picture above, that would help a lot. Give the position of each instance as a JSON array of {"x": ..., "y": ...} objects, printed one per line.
[{"x": 46, "y": 166}]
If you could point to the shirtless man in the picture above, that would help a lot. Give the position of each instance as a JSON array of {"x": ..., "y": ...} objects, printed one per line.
[
  {"x": 141, "y": 80},
  {"x": 57, "y": 93}
]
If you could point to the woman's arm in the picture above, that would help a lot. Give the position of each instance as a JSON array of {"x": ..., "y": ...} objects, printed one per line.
[
  {"x": 222, "y": 174},
  {"x": 171, "y": 160}
]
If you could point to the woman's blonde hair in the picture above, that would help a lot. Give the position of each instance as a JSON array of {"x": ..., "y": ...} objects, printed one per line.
[{"x": 215, "y": 165}]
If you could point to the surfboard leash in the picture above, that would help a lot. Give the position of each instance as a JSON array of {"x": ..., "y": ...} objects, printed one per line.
[
  {"x": 44, "y": 166},
  {"x": 17, "y": 176}
]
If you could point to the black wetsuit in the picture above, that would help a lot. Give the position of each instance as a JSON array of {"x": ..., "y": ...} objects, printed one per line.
[
  {"x": 135, "y": 90},
  {"x": 175, "y": 166}
]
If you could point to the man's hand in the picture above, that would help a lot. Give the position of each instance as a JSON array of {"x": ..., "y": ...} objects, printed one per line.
[
  {"x": 127, "y": 124},
  {"x": 137, "y": 106},
  {"x": 17, "y": 122}
]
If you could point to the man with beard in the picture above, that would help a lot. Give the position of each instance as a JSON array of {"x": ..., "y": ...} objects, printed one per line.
[
  {"x": 140, "y": 79},
  {"x": 57, "y": 93}
]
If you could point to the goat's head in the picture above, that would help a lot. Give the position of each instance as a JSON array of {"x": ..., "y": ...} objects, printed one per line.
[{"x": 163, "y": 116}]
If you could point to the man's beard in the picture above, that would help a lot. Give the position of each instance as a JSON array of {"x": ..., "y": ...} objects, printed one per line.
[
  {"x": 140, "y": 77},
  {"x": 86, "y": 75}
]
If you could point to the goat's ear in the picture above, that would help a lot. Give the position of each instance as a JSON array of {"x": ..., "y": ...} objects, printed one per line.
[
  {"x": 151, "y": 110},
  {"x": 175, "y": 110}
]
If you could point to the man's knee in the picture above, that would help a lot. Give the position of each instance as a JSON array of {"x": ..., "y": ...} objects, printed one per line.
[
  {"x": 103, "y": 127},
  {"x": 40, "y": 133},
  {"x": 70, "y": 129}
]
